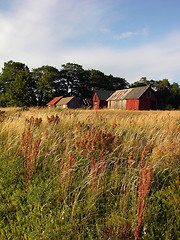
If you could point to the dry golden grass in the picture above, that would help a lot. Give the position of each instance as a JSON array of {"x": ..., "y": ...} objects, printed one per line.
[
  {"x": 135, "y": 129},
  {"x": 163, "y": 123}
]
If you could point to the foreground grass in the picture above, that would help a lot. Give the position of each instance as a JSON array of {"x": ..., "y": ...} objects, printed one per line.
[{"x": 82, "y": 174}]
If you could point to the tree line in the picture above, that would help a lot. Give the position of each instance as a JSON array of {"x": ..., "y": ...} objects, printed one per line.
[{"x": 20, "y": 86}]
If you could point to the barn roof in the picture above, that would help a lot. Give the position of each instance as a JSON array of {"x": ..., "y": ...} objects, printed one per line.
[
  {"x": 65, "y": 100},
  {"x": 103, "y": 95},
  {"x": 54, "y": 100},
  {"x": 130, "y": 93},
  {"x": 137, "y": 92},
  {"x": 119, "y": 94}
]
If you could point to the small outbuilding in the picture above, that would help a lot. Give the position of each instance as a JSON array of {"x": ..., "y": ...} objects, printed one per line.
[
  {"x": 139, "y": 98},
  {"x": 54, "y": 101},
  {"x": 100, "y": 97},
  {"x": 69, "y": 102}
]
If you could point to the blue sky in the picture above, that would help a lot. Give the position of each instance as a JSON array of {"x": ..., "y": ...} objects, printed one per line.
[{"x": 125, "y": 38}]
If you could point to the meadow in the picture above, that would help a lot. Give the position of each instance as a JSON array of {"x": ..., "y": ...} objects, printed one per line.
[{"x": 85, "y": 174}]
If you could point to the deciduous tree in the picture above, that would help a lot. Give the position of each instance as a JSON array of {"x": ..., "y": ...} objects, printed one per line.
[
  {"x": 16, "y": 85},
  {"x": 48, "y": 83}
]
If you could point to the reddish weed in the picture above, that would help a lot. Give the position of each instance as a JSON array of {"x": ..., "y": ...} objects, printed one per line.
[
  {"x": 95, "y": 139},
  {"x": 53, "y": 119},
  {"x": 145, "y": 178},
  {"x": 30, "y": 150},
  {"x": 34, "y": 121}
]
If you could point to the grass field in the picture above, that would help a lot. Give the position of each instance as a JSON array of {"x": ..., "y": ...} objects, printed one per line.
[{"x": 85, "y": 174}]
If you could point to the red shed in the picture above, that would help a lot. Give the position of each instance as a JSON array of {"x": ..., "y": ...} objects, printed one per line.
[
  {"x": 139, "y": 98},
  {"x": 54, "y": 101},
  {"x": 100, "y": 97}
]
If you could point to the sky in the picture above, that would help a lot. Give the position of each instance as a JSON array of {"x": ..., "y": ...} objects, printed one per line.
[{"x": 126, "y": 38}]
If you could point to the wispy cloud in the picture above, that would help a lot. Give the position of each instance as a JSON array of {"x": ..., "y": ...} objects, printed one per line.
[
  {"x": 151, "y": 60},
  {"x": 125, "y": 35},
  {"x": 54, "y": 32},
  {"x": 36, "y": 30},
  {"x": 142, "y": 32},
  {"x": 25, "y": 29}
]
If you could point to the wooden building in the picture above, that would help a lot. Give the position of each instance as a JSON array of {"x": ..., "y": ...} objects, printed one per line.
[
  {"x": 54, "y": 101},
  {"x": 69, "y": 102},
  {"x": 100, "y": 97},
  {"x": 139, "y": 98}
]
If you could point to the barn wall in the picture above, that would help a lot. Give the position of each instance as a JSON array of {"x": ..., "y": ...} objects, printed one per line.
[
  {"x": 62, "y": 106},
  {"x": 103, "y": 104},
  {"x": 51, "y": 106},
  {"x": 132, "y": 104},
  {"x": 74, "y": 104},
  {"x": 148, "y": 102},
  {"x": 96, "y": 102},
  {"x": 120, "y": 104}
]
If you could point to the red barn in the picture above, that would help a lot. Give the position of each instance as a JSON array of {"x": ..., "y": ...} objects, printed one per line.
[
  {"x": 139, "y": 98},
  {"x": 100, "y": 97}
]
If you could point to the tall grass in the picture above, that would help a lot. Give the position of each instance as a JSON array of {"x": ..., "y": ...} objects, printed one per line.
[{"x": 84, "y": 174}]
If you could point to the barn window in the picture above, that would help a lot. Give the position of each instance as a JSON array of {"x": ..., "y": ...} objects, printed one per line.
[
  {"x": 95, "y": 98},
  {"x": 148, "y": 94}
]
